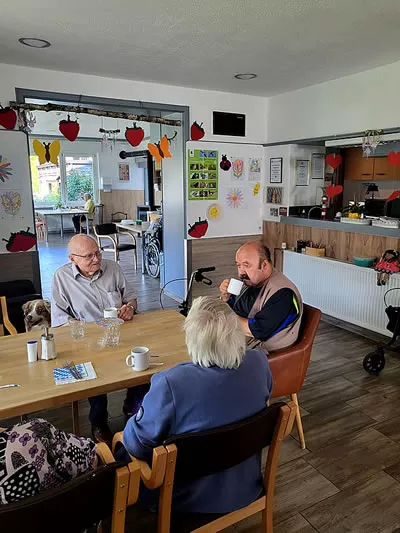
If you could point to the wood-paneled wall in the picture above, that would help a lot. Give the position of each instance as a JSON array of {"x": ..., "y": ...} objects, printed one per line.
[
  {"x": 340, "y": 245},
  {"x": 121, "y": 200},
  {"x": 218, "y": 252}
]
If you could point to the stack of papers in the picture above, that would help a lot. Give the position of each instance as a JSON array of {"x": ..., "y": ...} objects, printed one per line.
[{"x": 63, "y": 376}]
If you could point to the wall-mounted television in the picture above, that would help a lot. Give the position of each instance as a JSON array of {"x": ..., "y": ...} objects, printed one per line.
[{"x": 232, "y": 124}]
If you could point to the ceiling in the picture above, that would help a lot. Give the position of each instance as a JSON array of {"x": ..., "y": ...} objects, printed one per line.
[{"x": 289, "y": 43}]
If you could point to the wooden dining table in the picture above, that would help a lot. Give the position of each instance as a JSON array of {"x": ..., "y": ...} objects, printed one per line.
[{"x": 160, "y": 331}]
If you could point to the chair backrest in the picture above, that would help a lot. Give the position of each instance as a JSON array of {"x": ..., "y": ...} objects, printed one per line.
[
  {"x": 105, "y": 229},
  {"x": 119, "y": 215},
  {"x": 208, "y": 452},
  {"x": 289, "y": 366},
  {"x": 17, "y": 293},
  {"x": 98, "y": 213},
  {"x": 5, "y": 322},
  {"x": 70, "y": 508}
]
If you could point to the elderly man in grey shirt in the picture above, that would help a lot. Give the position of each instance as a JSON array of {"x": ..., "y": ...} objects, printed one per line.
[{"x": 82, "y": 289}]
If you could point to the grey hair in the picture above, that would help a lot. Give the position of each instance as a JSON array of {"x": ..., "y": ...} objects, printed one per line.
[{"x": 213, "y": 334}]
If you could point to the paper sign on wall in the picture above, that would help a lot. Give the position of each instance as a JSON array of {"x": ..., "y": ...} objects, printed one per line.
[{"x": 202, "y": 175}]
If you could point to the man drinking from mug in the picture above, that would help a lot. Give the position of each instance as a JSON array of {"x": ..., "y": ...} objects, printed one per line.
[
  {"x": 82, "y": 289},
  {"x": 269, "y": 306}
]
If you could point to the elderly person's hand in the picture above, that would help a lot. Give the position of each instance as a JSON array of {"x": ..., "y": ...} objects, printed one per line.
[
  {"x": 126, "y": 312},
  {"x": 223, "y": 289}
]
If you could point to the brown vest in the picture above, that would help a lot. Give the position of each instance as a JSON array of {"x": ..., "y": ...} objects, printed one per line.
[{"x": 287, "y": 336}]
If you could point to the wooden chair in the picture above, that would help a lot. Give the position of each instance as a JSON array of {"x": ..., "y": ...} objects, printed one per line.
[
  {"x": 80, "y": 503},
  {"x": 4, "y": 319},
  {"x": 40, "y": 228},
  {"x": 194, "y": 455},
  {"x": 110, "y": 231},
  {"x": 118, "y": 216},
  {"x": 289, "y": 366}
]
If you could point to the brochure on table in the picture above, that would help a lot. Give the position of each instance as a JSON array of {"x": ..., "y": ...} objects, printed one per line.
[{"x": 224, "y": 193}]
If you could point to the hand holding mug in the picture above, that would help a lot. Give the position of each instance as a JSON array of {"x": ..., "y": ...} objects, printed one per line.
[
  {"x": 223, "y": 289},
  {"x": 125, "y": 312}
]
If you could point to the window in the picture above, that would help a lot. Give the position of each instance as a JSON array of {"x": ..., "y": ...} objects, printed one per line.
[{"x": 64, "y": 184}]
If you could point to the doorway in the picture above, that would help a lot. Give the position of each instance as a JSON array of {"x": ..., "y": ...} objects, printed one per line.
[{"x": 93, "y": 164}]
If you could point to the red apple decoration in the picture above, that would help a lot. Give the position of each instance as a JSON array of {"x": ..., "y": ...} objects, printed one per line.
[
  {"x": 196, "y": 131},
  {"x": 8, "y": 118},
  {"x": 69, "y": 128},
  {"x": 134, "y": 135}
]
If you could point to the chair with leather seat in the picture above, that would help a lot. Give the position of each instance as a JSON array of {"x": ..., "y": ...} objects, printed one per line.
[
  {"x": 78, "y": 504},
  {"x": 289, "y": 366},
  {"x": 191, "y": 456},
  {"x": 16, "y": 293},
  {"x": 110, "y": 231}
]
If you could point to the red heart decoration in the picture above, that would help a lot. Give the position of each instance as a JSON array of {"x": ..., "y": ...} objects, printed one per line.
[
  {"x": 333, "y": 190},
  {"x": 393, "y": 196},
  {"x": 394, "y": 158},
  {"x": 69, "y": 128},
  {"x": 134, "y": 135},
  {"x": 8, "y": 118},
  {"x": 334, "y": 160}
]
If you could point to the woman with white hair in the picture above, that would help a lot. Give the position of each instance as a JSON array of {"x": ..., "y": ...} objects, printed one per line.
[{"x": 222, "y": 384}]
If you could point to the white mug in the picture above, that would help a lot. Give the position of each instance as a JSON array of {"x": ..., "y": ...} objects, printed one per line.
[
  {"x": 235, "y": 286},
  {"x": 138, "y": 359},
  {"x": 111, "y": 312}
]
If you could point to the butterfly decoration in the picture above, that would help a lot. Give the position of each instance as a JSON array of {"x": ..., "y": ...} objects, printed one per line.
[
  {"x": 47, "y": 152},
  {"x": 160, "y": 150}
]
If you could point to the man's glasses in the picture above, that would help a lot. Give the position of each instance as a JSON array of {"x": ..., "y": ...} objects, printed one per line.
[{"x": 90, "y": 257}]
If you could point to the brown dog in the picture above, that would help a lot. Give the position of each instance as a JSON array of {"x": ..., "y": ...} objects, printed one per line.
[{"x": 37, "y": 314}]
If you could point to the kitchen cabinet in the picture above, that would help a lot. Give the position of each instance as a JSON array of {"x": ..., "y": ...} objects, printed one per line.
[{"x": 359, "y": 168}]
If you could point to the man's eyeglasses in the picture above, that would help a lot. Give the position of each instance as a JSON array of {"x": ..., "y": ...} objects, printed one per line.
[{"x": 90, "y": 257}]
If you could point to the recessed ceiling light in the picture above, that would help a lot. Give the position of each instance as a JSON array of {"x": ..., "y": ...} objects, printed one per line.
[
  {"x": 34, "y": 43},
  {"x": 245, "y": 76}
]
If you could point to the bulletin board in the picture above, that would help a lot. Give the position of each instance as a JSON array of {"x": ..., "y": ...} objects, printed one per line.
[
  {"x": 17, "y": 225},
  {"x": 223, "y": 192}
]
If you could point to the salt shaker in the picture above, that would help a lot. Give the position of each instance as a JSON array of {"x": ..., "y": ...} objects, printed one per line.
[{"x": 48, "y": 346}]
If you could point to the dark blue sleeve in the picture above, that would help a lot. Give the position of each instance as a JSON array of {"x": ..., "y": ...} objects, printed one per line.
[
  {"x": 277, "y": 313},
  {"x": 154, "y": 422}
]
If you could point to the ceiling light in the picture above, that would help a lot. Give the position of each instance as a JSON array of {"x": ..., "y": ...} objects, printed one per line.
[
  {"x": 245, "y": 76},
  {"x": 34, "y": 43}
]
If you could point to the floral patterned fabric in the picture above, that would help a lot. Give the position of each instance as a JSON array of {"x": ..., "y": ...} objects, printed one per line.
[{"x": 35, "y": 456}]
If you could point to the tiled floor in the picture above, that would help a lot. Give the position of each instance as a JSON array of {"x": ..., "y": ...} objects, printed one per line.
[{"x": 348, "y": 478}]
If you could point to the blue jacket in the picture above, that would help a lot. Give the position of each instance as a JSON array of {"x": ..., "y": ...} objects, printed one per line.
[{"x": 189, "y": 398}]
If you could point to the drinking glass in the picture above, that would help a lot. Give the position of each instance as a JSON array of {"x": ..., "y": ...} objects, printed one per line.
[
  {"x": 76, "y": 328},
  {"x": 112, "y": 333}
]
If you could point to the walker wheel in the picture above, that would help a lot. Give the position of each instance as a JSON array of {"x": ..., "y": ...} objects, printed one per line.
[{"x": 374, "y": 362}]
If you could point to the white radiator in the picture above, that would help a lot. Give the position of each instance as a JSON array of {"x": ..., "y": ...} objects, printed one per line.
[{"x": 342, "y": 290}]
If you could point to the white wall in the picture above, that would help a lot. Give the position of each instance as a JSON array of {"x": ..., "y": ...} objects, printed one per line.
[
  {"x": 367, "y": 100},
  {"x": 292, "y": 194},
  {"x": 201, "y": 102}
]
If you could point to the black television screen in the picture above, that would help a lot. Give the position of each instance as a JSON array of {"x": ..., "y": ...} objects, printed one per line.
[{"x": 233, "y": 124}]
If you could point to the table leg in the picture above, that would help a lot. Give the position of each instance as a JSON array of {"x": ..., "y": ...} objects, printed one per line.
[
  {"x": 62, "y": 227},
  {"x": 143, "y": 255},
  {"x": 75, "y": 418},
  {"x": 47, "y": 229}
]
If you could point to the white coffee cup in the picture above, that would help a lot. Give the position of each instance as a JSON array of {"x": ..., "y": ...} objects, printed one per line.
[
  {"x": 138, "y": 359},
  {"x": 111, "y": 312},
  {"x": 32, "y": 349},
  {"x": 235, "y": 286}
]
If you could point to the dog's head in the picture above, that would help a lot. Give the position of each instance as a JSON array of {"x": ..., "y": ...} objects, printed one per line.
[{"x": 36, "y": 314}]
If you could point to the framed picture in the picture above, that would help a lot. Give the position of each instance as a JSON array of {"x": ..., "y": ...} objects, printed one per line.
[
  {"x": 302, "y": 172},
  {"x": 275, "y": 169},
  {"x": 274, "y": 195},
  {"x": 273, "y": 212},
  {"x": 317, "y": 166},
  {"x": 123, "y": 172}
]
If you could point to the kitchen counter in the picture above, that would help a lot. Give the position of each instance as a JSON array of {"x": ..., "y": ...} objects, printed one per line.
[{"x": 341, "y": 226}]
